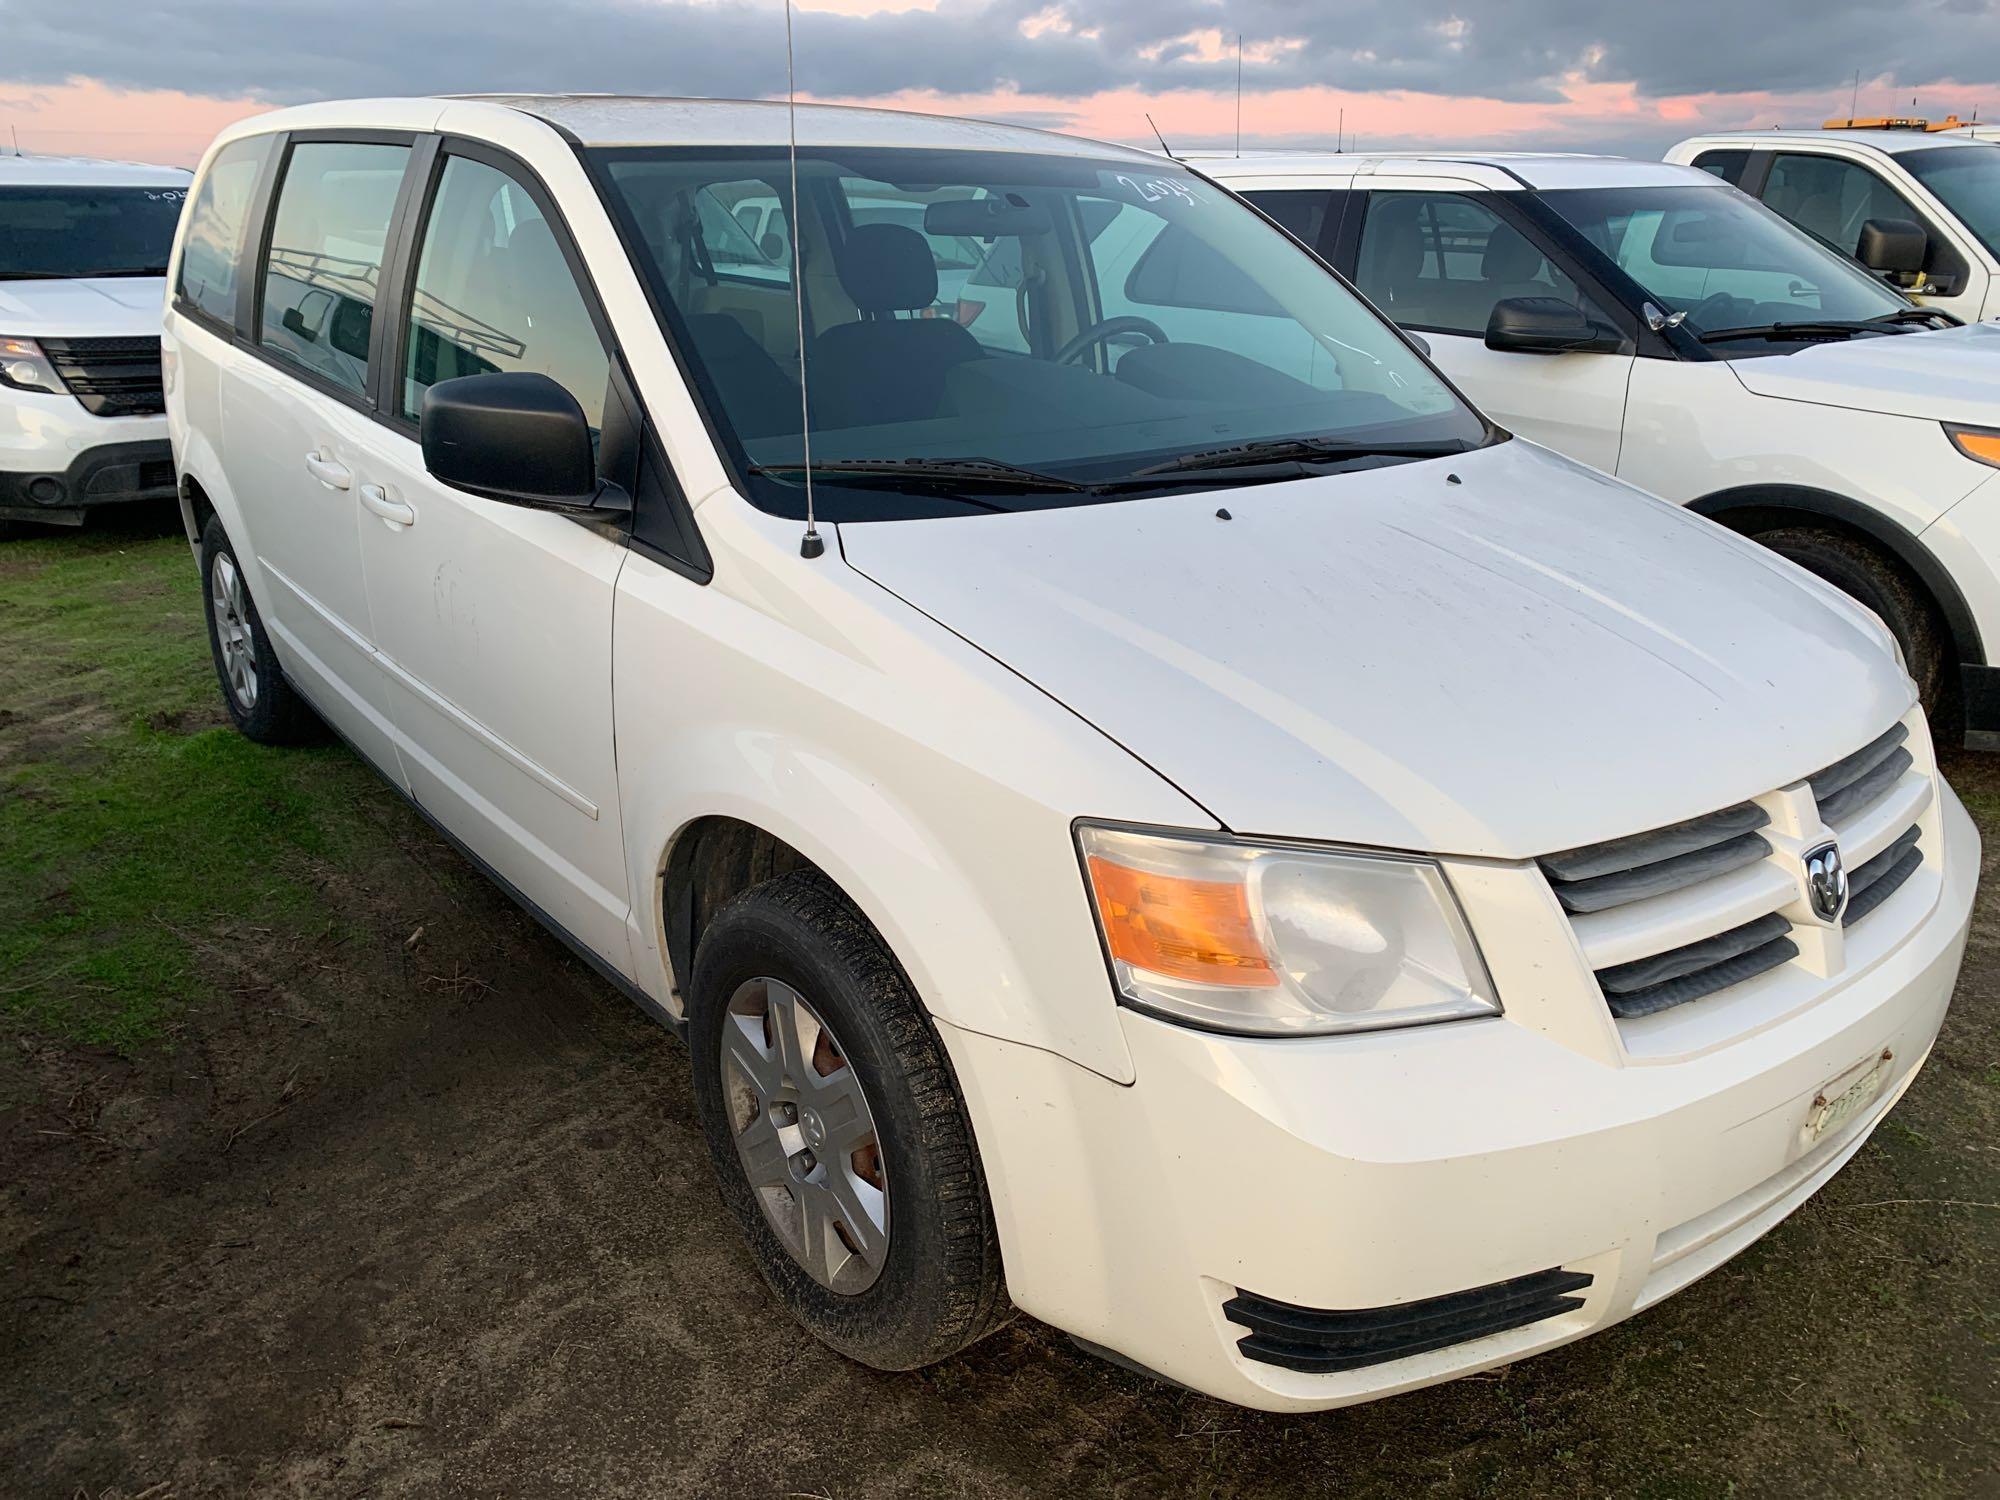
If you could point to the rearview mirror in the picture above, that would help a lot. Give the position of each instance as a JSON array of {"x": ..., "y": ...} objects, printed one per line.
[
  {"x": 1548, "y": 325},
  {"x": 517, "y": 437},
  {"x": 1897, "y": 247},
  {"x": 984, "y": 218}
]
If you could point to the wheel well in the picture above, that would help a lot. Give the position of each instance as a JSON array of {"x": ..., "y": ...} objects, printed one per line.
[
  {"x": 714, "y": 859},
  {"x": 1757, "y": 510},
  {"x": 196, "y": 508}
]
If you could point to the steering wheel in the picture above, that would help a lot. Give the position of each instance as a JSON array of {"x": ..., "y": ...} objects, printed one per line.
[{"x": 1110, "y": 328}]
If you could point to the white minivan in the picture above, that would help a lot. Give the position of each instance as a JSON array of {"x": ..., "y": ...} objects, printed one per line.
[
  {"x": 1302, "y": 891},
  {"x": 83, "y": 260},
  {"x": 1655, "y": 323}
]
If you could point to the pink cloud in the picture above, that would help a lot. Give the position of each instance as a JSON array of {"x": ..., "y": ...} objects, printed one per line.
[{"x": 85, "y": 118}]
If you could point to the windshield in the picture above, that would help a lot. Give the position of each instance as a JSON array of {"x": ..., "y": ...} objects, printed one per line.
[
  {"x": 1723, "y": 259},
  {"x": 1966, "y": 180},
  {"x": 1076, "y": 318},
  {"x": 87, "y": 231}
]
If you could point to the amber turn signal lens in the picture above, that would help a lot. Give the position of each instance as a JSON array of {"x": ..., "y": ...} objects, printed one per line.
[
  {"x": 1197, "y": 930},
  {"x": 1977, "y": 444}
]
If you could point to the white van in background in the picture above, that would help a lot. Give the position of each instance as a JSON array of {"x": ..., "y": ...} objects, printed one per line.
[
  {"x": 1835, "y": 182},
  {"x": 83, "y": 262}
]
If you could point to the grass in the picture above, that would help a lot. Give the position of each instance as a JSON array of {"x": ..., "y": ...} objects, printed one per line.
[{"x": 134, "y": 823}]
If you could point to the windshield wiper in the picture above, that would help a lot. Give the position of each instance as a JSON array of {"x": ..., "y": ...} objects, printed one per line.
[
  {"x": 931, "y": 471},
  {"x": 1846, "y": 328},
  {"x": 34, "y": 276},
  {"x": 1294, "y": 451},
  {"x": 123, "y": 271}
]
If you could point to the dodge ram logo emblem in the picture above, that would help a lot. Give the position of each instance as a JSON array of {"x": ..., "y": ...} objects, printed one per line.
[{"x": 1826, "y": 881}]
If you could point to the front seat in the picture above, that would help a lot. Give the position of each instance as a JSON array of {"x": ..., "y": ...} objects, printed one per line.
[
  {"x": 1511, "y": 266},
  {"x": 884, "y": 368}
]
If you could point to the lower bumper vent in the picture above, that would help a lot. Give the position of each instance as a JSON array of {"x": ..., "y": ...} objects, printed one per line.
[{"x": 1322, "y": 1342}]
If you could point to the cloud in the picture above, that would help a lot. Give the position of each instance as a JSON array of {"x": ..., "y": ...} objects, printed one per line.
[{"x": 1527, "y": 51}]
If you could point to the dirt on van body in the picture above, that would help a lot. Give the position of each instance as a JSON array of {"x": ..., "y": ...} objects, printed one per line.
[{"x": 323, "y": 1171}]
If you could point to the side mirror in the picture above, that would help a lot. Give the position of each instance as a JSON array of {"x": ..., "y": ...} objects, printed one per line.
[
  {"x": 1548, "y": 325},
  {"x": 1896, "y": 247},
  {"x": 349, "y": 327},
  {"x": 1418, "y": 342},
  {"x": 516, "y": 437}
]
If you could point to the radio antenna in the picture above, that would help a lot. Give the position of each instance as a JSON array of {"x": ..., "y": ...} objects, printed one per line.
[
  {"x": 810, "y": 544},
  {"x": 1239, "y": 93},
  {"x": 1161, "y": 139}
]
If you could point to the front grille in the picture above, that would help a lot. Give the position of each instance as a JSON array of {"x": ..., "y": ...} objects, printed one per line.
[
  {"x": 1692, "y": 910},
  {"x": 1325, "y": 1342},
  {"x": 111, "y": 377}
]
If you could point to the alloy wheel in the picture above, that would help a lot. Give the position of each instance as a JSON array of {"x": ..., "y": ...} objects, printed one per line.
[
  {"x": 230, "y": 604},
  {"x": 805, "y": 1135}
]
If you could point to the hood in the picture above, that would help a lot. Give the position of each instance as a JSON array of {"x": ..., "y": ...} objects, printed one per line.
[
  {"x": 97, "y": 307},
  {"x": 1942, "y": 374},
  {"x": 1534, "y": 658}
]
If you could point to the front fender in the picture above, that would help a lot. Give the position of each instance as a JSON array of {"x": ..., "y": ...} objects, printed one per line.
[{"x": 933, "y": 785}]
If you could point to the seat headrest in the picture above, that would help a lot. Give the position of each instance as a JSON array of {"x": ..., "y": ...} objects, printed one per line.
[
  {"x": 1399, "y": 238},
  {"x": 1509, "y": 256},
  {"x": 888, "y": 268}
]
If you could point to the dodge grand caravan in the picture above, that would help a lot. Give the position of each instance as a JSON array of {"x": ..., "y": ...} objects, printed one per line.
[
  {"x": 83, "y": 250},
  {"x": 1659, "y": 325},
  {"x": 1257, "y": 868}
]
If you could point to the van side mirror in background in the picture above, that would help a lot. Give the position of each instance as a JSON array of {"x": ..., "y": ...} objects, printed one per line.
[
  {"x": 517, "y": 437},
  {"x": 1548, "y": 325},
  {"x": 1895, "y": 247}
]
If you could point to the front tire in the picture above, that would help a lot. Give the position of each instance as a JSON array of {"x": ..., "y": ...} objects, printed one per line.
[
  {"x": 262, "y": 704},
  {"x": 1885, "y": 586},
  {"x": 838, "y": 1134}
]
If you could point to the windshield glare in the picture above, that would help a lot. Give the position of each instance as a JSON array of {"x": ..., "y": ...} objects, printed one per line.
[
  {"x": 87, "y": 231},
  {"x": 1722, "y": 258},
  {"x": 1076, "y": 317},
  {"x": 1966, "y": 180}
]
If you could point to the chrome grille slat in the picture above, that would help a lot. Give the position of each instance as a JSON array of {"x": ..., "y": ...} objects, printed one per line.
[
  {"x": 1648, "y": 973},
  {"x": 1694, "y": 908},
  {"x": 1615, "y": 855},
  {"x": 1851, "y": 768},
  {"x": 1866, "y": 788},
  {"x": 1881, "y": 877},
  {"x": 1696, "y": 867},
  {"x": 1703, "y": 982}
]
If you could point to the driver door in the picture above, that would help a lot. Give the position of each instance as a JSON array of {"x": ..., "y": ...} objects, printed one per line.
[{"x": 1436, "y": 261}]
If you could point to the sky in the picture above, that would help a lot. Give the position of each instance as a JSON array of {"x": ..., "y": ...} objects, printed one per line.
[{"x": 152, "y": 80}]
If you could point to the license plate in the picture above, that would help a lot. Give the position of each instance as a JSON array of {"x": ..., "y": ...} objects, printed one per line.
[{"x": 1840, "y": 1100}]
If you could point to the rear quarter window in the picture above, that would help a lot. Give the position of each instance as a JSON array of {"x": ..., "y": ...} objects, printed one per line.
[{"x": 212, "y": 247}]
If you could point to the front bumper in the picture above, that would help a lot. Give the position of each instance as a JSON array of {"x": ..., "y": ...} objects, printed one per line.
[
  {"x": 1369, "y": 1171},
  {"x": 108, "y": 474}
]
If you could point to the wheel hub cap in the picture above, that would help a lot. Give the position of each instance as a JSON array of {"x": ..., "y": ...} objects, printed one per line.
[
  {"x": 229, "y": 603},
  {"x": 805, "y": 1136}
]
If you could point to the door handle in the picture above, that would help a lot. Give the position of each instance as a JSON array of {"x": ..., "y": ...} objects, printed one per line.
[
  {"x": 394, "y": 511},
  {"x": 333, "y": 475}
]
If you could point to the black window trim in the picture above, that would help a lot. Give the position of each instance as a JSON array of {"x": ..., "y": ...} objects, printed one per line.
[
  {"x": 1944, "y": 247},
  {"x": 251, "y": 327},
  {"x": 627, "y": 436},
  {"x": 1567, "y": 250},
  {"x": 654, "y": 535}
]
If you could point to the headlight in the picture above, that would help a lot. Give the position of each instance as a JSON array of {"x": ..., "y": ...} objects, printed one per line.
[
  {"x": 24, "y": 367},
  {"x": 1979, "y": 444},
  {"x": 1272, "y": 939}
]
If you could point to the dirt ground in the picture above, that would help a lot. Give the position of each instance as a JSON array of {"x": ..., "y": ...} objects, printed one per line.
[{"x": 323, "y": 1171}]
